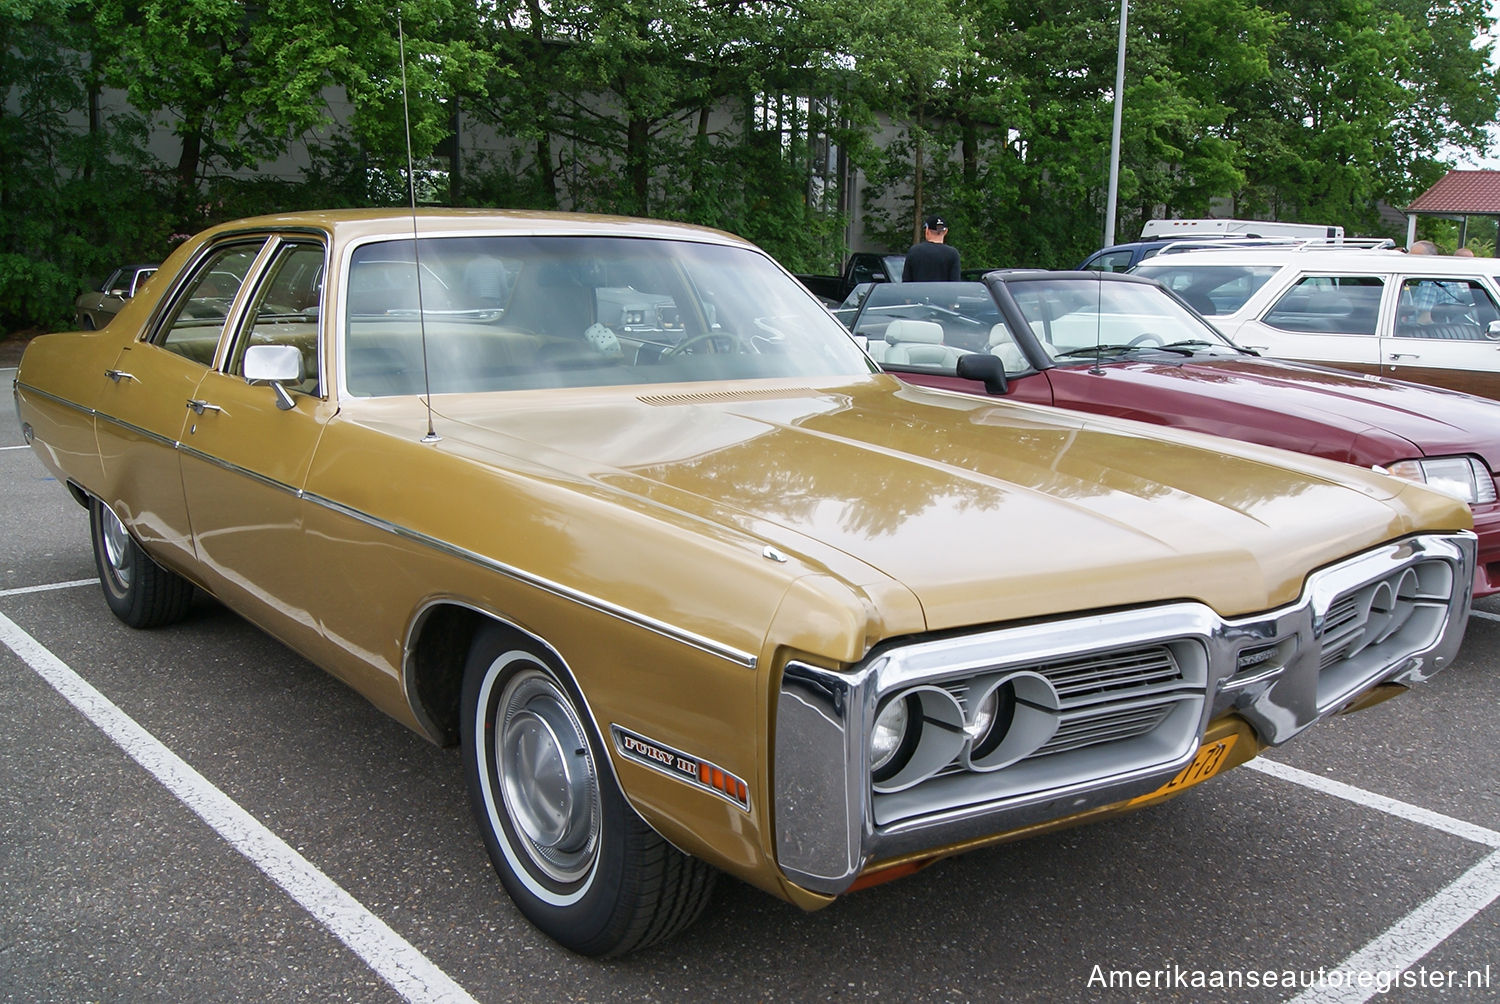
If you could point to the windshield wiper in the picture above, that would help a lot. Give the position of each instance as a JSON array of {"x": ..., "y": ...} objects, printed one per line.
[{"x": 1176, "y": 348}]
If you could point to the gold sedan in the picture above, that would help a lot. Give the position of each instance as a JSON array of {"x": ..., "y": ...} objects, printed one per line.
[{"x": 618, "y": 507}]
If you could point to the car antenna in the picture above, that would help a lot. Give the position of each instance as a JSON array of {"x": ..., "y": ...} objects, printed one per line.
[
  {"x": 416, "y": 258},
  {"x": 1098, "y": 369}
]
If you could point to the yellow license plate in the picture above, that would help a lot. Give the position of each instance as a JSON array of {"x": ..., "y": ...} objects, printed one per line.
[{"x": 1210, "y": 760}]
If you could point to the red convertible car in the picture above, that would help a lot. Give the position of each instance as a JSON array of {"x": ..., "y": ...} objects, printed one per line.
[{"x": 1122, "y": 345}]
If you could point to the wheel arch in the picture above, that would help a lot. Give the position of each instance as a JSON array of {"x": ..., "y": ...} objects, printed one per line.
[
  {"x": 437, "y": 646},
  {"x": 80, "y": 494}
]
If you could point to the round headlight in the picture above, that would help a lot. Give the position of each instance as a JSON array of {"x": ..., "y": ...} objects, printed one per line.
[
  {"x": 991, "y": 720},
  {"x": 888, "y": 736},
  {"x": 984, "y": 716}
]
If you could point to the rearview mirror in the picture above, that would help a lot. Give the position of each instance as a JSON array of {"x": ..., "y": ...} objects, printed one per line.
[{"x": 987, "y": 369}]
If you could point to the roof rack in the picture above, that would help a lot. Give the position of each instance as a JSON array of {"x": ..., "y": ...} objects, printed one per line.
[{"x": 1299, "y": 244}]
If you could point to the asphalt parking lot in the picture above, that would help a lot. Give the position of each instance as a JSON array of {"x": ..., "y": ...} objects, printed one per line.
[{"x": 198, "y": 814}]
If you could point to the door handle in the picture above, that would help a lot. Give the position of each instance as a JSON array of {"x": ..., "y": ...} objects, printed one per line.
[
  {"x": 1404, "y": 355},
  {"x": 118, "y": 375},
  {"x": 199, "y": 407}
]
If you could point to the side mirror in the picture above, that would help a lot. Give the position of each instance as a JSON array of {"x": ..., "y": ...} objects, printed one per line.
[
  {"x": 987, "y": 369},
  {"x": 1493, "y": 331},
  {"x": 277, "y": 365}
]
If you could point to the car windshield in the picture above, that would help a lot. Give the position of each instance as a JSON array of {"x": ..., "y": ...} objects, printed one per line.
[
  {"x": 1210, "y": 289},
  {"x": 927, "y": 326},
  {"x": 511, "y": 313},
  {"x": 1073, "y": 318}
]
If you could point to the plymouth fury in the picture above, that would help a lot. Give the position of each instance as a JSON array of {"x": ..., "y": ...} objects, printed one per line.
[{"x": 620, "y": 509}]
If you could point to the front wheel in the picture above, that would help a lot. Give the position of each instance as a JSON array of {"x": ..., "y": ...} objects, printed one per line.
[
  {"x": 138, "y": 590},
  {"x": 572, "y": 854}
]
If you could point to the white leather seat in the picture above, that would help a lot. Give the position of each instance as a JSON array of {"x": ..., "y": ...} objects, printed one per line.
[
  {"x": 918, "y": 343},
  {"x": 1003, "y": 347}
]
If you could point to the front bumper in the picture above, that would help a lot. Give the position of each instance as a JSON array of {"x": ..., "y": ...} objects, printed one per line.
[{"x": 1114, "y": 705}]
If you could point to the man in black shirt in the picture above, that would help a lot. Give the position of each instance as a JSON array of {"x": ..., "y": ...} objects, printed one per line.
[{"x": 931, "y": 260}]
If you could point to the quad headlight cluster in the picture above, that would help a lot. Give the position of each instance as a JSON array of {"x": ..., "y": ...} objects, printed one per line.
[
  {"x": 1462, "y": 477},
  {"x": 989, "y": 723}
]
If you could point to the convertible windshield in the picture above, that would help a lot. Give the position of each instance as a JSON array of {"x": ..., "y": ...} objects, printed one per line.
[
  {"x": 1072, "y": 318},
  {"x": 509, "y": 313},
  {"x": 928, "y": 326}
]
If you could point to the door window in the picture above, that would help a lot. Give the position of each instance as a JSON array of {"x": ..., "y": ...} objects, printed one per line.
[
  {"x": 196, "y": 319},
  {"x": 1329, "y": 304},
  {"x": 285, "y": 311},
  {"x": 1447, "y": 309}
]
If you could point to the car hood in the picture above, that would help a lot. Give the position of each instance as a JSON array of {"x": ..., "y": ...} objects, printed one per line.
[
  {"x": 984, "y": 511},
  {"x": 1348, "y": 416}
]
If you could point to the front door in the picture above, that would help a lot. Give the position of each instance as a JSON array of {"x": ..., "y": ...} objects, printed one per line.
[{"x": 245, "y": 457}]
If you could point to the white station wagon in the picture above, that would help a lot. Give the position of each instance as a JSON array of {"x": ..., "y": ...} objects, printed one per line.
[{"x": 1432, "y": 319}]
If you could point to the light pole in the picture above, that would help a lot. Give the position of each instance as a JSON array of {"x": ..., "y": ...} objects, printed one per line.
[{"x": 1114, "y": 141}]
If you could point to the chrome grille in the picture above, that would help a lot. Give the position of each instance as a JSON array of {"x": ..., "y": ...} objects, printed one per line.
[
  {"x": 1113, "y": 671},
  {"x": 1342, "y": 625},
  {"x": 1367, "y": 628},
  {"x": 1104, "y": 697},
  {"x": 1108, "y": 727}
]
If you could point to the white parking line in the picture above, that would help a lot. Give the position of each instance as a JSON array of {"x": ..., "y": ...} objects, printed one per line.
[
  {"x": 1409, "y": 940},
  {"x": 392, "y": 958},
  {"x": 23, "y": 590},
  {"x": 1485, "y": 614},
  {"x": 1380, "y": 803},
  {"x": 1413, "y": 936}
]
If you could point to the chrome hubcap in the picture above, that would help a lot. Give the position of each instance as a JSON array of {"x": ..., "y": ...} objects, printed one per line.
[
  {"x": 547, "y": 777},
  {"x": 116, "y": 545}
]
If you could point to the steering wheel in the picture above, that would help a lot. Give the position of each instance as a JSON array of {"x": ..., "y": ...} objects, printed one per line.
[
  {"x": 734, "y": 341},
  {"x": 1144, "y": 337}
]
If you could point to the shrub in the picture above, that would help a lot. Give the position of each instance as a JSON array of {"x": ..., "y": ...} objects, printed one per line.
[{"x": 33, "y": 293}]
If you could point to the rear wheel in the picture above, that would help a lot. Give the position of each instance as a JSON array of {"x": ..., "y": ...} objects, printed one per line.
[
  {"x": 572, "y": 854},
  {"x": 138, "y": 590}
]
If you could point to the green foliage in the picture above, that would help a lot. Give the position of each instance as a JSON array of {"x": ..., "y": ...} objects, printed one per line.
[
  {"x": 33, "y": 293},
  {"x": 780, "y": 120}
]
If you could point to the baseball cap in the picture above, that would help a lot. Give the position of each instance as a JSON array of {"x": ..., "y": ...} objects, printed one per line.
[{"x": 935, "y": 222}]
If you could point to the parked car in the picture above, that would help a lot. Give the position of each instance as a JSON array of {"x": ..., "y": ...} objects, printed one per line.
[
  {"x": 1124, "y": 257},
  {"x": 1122, "y": 346},
  {"x": 1426, "y": 318},
  {"x": 719, "y": 594},
  {"x": 97, "y": 307},
  {"x": 862, "y": 267}
]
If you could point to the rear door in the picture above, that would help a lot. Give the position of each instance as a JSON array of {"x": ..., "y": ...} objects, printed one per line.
[
  {"x": 144, "y": 407},
  {"x": 1439, "y": 334}
]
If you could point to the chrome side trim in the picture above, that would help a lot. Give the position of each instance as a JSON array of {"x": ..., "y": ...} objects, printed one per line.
[
  {"x": 692, "y": 639},
  {"x": 832, "y": 820},
  {"x": 244, "y": 472},
  {"x": 33, "y": 389},
  {"x": 671, "y": 632}
]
